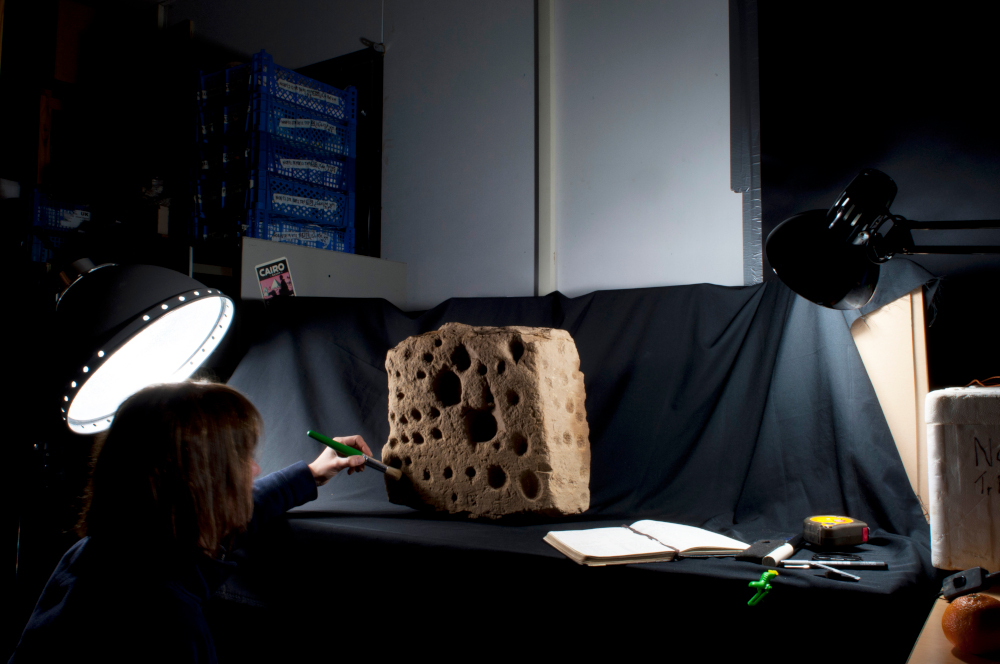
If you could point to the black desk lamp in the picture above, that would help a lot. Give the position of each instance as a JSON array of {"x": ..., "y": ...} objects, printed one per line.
[
  {"x": 128, "y": 326},
  {"x": 832, "y": 257}
]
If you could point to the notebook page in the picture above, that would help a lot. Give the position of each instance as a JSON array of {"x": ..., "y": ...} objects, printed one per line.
[
  {"x": 605, "y": 542},
  {"x": 686, "y": 537}
]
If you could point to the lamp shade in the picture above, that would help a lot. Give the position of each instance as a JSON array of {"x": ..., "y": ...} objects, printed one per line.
[
  {"x": 127, "y": 327},
  {"x": 814, "y": 262},
  {"x": 826, "y": 256},
  {"x": 832, "y": 258}
]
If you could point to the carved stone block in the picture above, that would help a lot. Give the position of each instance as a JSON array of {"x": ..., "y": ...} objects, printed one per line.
[{"x": 488, "y": 421}]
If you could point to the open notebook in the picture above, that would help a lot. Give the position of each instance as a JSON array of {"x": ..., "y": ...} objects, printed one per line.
[{"x": 642, "y": 542}]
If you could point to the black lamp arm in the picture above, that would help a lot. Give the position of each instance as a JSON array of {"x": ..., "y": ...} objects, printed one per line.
[
  {"x": 899, "y": 239},
  {"x": 950, "y": 225}
]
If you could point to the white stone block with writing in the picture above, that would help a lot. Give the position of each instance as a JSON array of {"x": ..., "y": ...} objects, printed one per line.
[{"x": 963, "y": 455}]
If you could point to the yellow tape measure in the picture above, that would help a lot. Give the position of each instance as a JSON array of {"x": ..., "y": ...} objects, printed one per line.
[{"x": 829, "y": 530}]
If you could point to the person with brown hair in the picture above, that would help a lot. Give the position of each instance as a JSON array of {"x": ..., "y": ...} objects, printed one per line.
[{"x": 172, "y": 488}]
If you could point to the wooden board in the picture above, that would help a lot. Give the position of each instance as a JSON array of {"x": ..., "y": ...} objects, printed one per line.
[{"x": 892, "y": 345}]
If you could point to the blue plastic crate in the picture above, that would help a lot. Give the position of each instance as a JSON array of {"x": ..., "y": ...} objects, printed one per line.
[
  {"x": 279, "y": 228},
  {"x": 225, "y": 122},
  {"x": 288, "y": 86},
  {"x": 39, "y": 254},
  {"x": 223, "y": 158},
  {"x": 221, "y": 191},
  {"x": 303, "y": 126},
  {"x": 234, "y": 81},
  {"x": 275, "y": 143},
  {"x": 222, "y": 137},
  {"x": 278, "y": 157},
  {"x": 229, "y": 222},
  {"x": 58, "y": 216},
  {"x": 296, "y": 199}
]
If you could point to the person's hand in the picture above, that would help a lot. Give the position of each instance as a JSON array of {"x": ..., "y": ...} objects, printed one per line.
[{"x": 330, "y": 462}]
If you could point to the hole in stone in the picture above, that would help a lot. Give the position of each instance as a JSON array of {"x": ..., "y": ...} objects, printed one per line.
[
  {"x": 415, "y": 414},
  {"x": 417, "y": 438},
  {"x": 397, "y": 374},
  {"x": 519, "y": 444},
  {"x": 481, "y": 369},
  {"x": 428, "y": 357},
  {"x": 496, "y": 445},
  {"x": 436, "y": 433},
  {"x": 579, "y": 416},
  {"x": 460, "y": 358},
  {"x": 516, "y": 349},
  {"x": 454, "y": 497},
  {"x": 396, "y": 462},
  {"x": 405, "y": 438},
  {"x": 392, "y": 416},
  {"x": 569, "y": 406},
  {"x": 501, "y": 366},
  {"x": 495, "y": 477},
  {"x": 437, "y": 342},
  {"x": 393, "y": 442},
  {"x": 427, "y": 474},
  {"x": 434, "y": 412},
  {"x": 530, "y": 485},
  {"x": 447, "y": 473},
  {"x": 448, "y": 388},
  {"x": 567, "y": 438},
  {"x": 408, "y": 461},
  {"x": 407, "y": 354},
  {"x": 421, "y": 374},
  {"x": 470, "y": 472},
  {"x": 482, "y": 425},
  {"x": 513, "y": 398},
  {"x": 544, "y": 467},
  {"x": 400, "y": 395},
  {"x": 403, "y": 420}
]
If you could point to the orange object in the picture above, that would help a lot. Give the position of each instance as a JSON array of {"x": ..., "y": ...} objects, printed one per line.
[{"x": 972, "y": 623}]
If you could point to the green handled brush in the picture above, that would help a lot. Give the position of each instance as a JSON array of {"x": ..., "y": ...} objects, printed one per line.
[{"x": 347, "y": 450}]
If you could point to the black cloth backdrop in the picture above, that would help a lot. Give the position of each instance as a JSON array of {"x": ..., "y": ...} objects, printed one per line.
[{"x": 740, "y": 410}]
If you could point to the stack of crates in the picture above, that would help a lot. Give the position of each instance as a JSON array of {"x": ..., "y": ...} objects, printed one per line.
[
  {"x": 277, "y": 157},
  {"x": 56, "y": 221}
]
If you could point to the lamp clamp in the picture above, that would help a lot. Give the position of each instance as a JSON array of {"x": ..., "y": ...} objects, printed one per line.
[{"x": 883, "y": 247}]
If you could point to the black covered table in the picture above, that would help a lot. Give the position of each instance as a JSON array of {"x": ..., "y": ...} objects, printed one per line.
[{"x": 739, "y": 410}]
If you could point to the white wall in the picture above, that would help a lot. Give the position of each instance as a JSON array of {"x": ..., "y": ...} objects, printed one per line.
[
  {"x": 641, "y": 182},
  {"x": 458, "y": 154},
  {"x": 458, "y": 132},
  {"x": 296, "y": 32},
  {"x": 641, "y": 99}
]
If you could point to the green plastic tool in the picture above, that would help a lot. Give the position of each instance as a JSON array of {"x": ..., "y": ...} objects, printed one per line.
[
  {"x": 762, "y": 587},
  {"x": 347, "y": 450}
]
